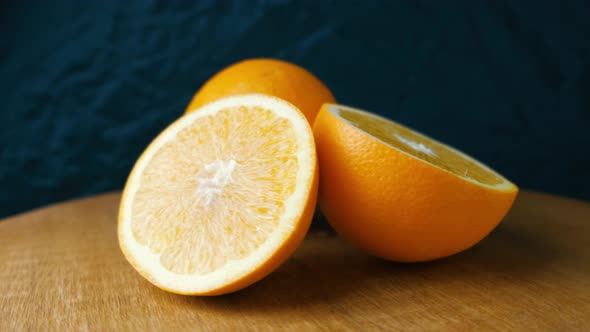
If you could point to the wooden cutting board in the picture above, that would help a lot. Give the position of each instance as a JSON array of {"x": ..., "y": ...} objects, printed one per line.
[{"x": 61, "y": 269}]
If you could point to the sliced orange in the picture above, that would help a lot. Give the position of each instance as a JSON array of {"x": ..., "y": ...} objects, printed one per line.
[
  {"x": 400, "y": 195},
  {"x": 222, "y": 197}
]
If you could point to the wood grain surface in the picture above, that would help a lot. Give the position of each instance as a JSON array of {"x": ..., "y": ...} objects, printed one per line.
[{"x": 61, "y": 269}]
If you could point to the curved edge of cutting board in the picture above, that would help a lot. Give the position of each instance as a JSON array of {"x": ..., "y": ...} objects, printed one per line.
[
  {"x": 61, "y": 269},
  {"x": 564, "y": 203},
  {"x": 75, "y": 203}
]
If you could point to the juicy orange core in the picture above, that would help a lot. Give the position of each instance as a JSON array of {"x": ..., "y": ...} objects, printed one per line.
[
  {"x": 217, "y": 190},
  {"x": 419, "y": 146}
]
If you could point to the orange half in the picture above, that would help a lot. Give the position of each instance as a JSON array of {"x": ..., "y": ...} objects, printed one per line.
[
  {"x": 399, "y": 194},
  {"x": 222, "y": 197}
]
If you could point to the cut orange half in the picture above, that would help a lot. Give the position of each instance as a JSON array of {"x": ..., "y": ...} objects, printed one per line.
[
  {"x": 399, "y": 194},
  {"x": 222, "y": 197}
]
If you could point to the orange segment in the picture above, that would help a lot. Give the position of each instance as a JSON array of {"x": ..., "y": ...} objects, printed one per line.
[
  {"x": 222, "y": 197},
  {"x": 399, "y": 194}
]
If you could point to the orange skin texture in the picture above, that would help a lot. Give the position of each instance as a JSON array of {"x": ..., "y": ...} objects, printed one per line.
[
  {"x": 267, "y": 76},
  {"x": 394, "y": 206}
]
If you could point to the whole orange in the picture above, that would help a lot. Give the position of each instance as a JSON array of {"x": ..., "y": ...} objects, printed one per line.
[{"x": 267, "y": 76}]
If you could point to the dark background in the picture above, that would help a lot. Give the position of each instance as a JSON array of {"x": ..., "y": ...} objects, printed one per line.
[{"x": 85, "y": 85}]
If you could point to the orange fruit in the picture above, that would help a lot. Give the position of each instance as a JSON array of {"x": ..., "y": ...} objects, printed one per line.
[
  {"x": 267, "y": 76},
  {"x": 221, "y": 197},
  {"x": 400, "y": 195}
]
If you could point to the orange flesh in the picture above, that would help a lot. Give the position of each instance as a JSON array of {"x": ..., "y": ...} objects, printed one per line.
[
  {"x": 420, "y": 146},
  {"x": 194, "y": 211}
]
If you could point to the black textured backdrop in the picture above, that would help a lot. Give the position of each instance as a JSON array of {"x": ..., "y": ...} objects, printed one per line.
[{"x": 85, "y": 85}]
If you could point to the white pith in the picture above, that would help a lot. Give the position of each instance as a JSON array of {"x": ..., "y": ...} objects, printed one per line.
[
  {"x": 416, "y": 146},
  {"x": 213, "y": 178}
]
